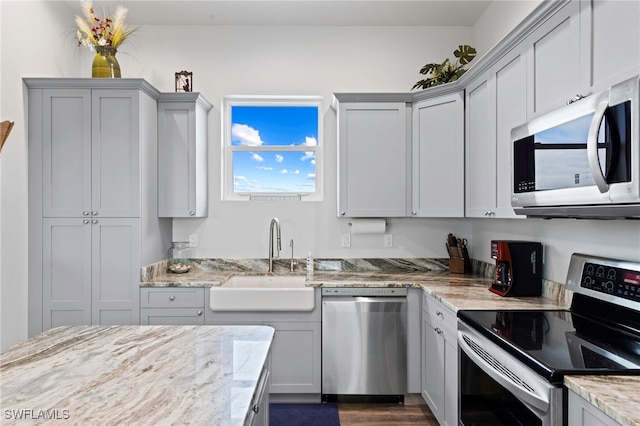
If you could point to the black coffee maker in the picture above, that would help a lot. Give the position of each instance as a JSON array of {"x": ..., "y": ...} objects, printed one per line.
[{"x": 518, "y": 268}]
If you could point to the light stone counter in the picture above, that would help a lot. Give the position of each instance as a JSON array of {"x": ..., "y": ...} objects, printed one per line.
[
  {"x": 616, "y": 396},
  {"x": 134, "y": 375}
]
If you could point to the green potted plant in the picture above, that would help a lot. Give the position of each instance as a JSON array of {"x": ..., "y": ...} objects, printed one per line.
[{"x": 446, "y": 72}]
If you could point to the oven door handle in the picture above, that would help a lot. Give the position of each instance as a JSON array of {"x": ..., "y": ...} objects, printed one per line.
[{"x": 537, "y": 398}]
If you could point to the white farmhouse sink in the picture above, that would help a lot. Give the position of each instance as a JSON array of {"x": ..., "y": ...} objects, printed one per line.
[{"x": 262, "y": 293}]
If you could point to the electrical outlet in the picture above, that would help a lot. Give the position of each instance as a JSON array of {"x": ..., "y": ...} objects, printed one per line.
[
  {"x": 193, "y": 240},
  {"x": 388, "y": 240},
  {"x": 346, "y": 240}
]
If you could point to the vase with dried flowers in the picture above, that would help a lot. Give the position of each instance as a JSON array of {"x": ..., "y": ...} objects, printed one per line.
[{"x": 104, "y": 35}]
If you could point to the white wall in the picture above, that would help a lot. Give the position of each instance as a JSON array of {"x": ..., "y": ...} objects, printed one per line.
[{"x": 500, "y": 18}]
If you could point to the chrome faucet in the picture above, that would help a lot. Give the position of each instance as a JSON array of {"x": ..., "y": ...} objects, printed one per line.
[{"x": 275, "y": 222}]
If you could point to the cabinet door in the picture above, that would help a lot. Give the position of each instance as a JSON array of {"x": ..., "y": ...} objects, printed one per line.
[
  {"x": 438, "y": 157},
  {"x": 372, "y": 164},
  {"x": 66, "y": 272},
  {"x": 172, "y": 316},
  {"x": 115, "y": 271},
  {"x": 582, "y": 413},
  {"x": 115, "y": 140},
  {"x": 66, "y": 168},
  {"x": 295, "y": 358},
  {"x": 182, "y": 158},
  {"x": 480, "y": 187},
  {"x": 509, "y": 80},
  {"x": 433, "y": 362},
  {"x": 609, "y": 42},
  {"x": 554, "y": 61}
]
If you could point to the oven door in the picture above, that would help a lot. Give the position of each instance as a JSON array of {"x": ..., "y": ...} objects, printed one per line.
[{"x": 496, "y": 389}]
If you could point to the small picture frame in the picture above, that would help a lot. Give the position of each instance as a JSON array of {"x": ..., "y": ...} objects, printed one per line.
[{"x": 184, "y": 81}]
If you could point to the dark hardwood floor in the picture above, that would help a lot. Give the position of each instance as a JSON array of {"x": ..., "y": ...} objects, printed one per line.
[{"x": 413, "y": 412}]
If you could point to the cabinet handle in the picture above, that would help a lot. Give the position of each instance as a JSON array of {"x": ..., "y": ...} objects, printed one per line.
[
  {"x": 414, "y": 213},
  {"x": 192, "y": 213},
  {"x": 85, "y": 221},
  {"x": 94, "y": 221},
  {"x": 489, "y": 213},
  {"x": 576, "y": 98},
  {"x": 94, "y": 213},
  {"x": 172, "y": 298},
  {"x": 440, "y": 314},
  {"x": 437, "y": 330},
  {"x": 255, "y": 408},
  {"x": 342, "y": 213},
  {"x": 199, "y": 313},
  {"x": 85, "y": 213}
]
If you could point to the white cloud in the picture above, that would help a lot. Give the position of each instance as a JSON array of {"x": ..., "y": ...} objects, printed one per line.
[
  {"x": 264, "y": 168},
  {"x": 247, "y": 135},
  {"x": 313, "y": 161},
  {"x": 308, "y": 155},
  {"x": 309, "y": 141},
  {"x": 311, "y": 176},
  {"x": 279, "y": 158},
  {"x": 284, "y": 171},
  {"x": 257, "y": 157},
  {"x": 241, "y": 178}
]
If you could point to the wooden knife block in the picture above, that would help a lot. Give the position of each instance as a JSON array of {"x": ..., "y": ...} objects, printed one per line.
[{"x": 460, "y": 265}]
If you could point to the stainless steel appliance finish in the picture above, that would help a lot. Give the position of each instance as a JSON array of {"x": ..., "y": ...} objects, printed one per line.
[
  {"x": 582, "y": 160},
  {"x": 512, "y": 363},
  {"x": 364, "y": 343}
]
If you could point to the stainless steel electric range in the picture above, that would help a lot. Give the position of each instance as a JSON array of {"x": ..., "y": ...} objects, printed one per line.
[{"x": 512, "y": 363}]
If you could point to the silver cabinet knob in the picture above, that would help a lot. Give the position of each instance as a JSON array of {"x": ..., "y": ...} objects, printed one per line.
[
  {"x": 255, "y": 408},
  {"x": 437, "y": 330},
  {"x": 85, "y": 213},
  {"x": 199, "y": 313},
  {"x": 440, "y": 314},
  {"x": 94, "y": 221},
  {"x": 192, "y": 213},
  {"x": 172, "y": 298},
  {"x": 342, "y": 213},
  {"x": 86, "y": 221},
  {"x": 414, "y": 213},
  {"x": 576, "y": 98},
  {"x": 95, "y": 213}
]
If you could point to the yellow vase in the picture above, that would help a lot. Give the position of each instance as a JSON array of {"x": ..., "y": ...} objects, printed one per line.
[{"x": 105, "y": 64}]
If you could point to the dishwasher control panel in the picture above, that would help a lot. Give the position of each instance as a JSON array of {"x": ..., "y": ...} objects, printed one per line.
[{"x": 364, "y": 291}]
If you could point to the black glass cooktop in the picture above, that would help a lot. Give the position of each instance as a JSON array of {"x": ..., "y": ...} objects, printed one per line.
[{"x": 557, "y": 343}]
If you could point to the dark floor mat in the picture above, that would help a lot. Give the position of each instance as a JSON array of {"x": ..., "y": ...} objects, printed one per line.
[{"x": 325, "y": 414}]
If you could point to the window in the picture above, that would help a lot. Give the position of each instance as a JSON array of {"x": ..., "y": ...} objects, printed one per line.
[{"x": 272, "y": 148}]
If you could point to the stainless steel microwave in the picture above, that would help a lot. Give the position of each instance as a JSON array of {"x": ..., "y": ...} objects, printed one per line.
[{"x": 582, "y": 160}]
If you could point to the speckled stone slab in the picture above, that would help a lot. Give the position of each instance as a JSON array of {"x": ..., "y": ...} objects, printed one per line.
[{"x": 125, "y": 375}]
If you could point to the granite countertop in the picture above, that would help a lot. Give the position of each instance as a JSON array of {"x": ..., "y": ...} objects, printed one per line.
[{"x": 135, "y": 374}]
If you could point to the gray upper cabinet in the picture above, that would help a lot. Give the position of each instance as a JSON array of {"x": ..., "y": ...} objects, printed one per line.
[
  {"x": 438, "y": 157},
  {"x": 554, "y": 61},
  {"x": 182, "y": 155},
  {"x": 92, "y": 197},
  {"x": 373, "y": 170},
  {"x": 609, "y": 42}
]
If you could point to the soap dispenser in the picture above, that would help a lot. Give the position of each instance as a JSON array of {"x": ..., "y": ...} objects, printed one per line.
[{"x": 309, "y": 267}]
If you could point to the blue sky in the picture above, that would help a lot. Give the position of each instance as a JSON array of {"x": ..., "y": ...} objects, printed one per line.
[{"x": 269, "y": 169}]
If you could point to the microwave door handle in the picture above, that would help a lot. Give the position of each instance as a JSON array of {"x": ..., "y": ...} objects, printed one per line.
[{"x": 592, "y": 148}]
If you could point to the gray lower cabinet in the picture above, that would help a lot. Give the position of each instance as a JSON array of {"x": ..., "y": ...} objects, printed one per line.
[
  {"x": 172, "y": 306},
  {"x": 440, "y": 360},
  {"x": 295, "y": 351},
  {"x": 259, "y": 406},
  {"x": 582, "y": 413}
]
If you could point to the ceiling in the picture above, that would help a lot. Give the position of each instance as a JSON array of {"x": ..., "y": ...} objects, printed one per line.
[{"x": 296, "y": 12}]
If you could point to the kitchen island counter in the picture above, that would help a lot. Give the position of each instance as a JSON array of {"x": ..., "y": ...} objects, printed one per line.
[{"x": 135, "y": 374}]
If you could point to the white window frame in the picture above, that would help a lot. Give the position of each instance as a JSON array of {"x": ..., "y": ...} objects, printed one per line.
[{"x": 228, "y": 150}]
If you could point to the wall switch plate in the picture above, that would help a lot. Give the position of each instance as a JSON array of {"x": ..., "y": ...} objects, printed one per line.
[
  {"x": 346, "y": 240},
  {"x": 388, "y": 240},
  {"x": 193, "y": 240}
]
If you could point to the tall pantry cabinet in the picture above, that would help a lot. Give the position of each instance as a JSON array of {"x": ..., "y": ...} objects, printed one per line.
[{"x": 93, "y": 210}]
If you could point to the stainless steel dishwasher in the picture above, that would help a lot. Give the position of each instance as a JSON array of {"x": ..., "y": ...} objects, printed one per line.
[{"x": 364, "y": 344}]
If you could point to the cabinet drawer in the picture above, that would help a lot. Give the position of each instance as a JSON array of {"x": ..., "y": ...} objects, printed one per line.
[
  {"x": 172, "y": 316},
  {"x": 440, "y": 315},
  {"x": 172, "y": 297}
]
